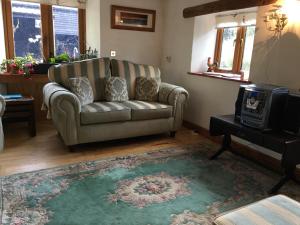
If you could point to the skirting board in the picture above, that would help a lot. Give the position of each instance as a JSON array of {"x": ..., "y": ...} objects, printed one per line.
[{"x": 243, "y": 150}]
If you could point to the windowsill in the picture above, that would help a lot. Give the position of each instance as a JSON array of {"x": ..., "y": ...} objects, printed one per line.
[{"x": 222, "y": 76}]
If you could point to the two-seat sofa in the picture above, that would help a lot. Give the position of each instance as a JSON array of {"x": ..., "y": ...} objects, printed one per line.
[{"x": 101, "y": 120}]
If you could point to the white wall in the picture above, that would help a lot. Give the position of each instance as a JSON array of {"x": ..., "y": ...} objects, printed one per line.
[
  {"x": 188, "y": 43},
  {"x": 136, "y": 46},
  {"x": 207, "y": 96},
  {"x": 275, "y": 60},
  {"x": 204, "y": 40},
  {"x": 2, "y": 42}
]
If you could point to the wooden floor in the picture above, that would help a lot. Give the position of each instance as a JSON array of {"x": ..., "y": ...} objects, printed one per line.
[{"x": 23, "y": 153}]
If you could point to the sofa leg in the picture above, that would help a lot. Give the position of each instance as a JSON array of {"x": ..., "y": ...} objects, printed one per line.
[
  {"x": 172, "y": 134},
  {"x": 72, "y": 148}
]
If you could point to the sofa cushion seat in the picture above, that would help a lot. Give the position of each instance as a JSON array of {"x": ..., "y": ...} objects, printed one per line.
[
  {"x": 141, "y": 110},
  {"x": 104, "y": 112}
]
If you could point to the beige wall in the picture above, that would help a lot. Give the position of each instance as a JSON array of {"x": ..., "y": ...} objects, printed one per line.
[
  {"x": 93, "y": 24},
  {"x": 136, "y": 46}
]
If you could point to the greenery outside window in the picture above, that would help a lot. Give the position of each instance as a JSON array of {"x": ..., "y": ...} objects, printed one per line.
[
  {"x": 42, "y": 30},
  {"x": 66, "y": 33},
  {"x": 233, "y": 51}
]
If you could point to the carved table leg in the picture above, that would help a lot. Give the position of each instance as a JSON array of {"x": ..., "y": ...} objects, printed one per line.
[{"x": 225, "y": 145}]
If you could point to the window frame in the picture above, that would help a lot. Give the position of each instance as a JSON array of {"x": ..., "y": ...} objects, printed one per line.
[
  {"x": 46, "y": 30},
  {"x": 238, "y": 53}
]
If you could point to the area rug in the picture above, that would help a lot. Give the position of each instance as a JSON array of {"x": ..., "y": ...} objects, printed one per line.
[{"x": 174, "y": 186}]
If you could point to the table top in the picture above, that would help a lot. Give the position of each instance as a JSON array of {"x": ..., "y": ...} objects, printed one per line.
[
  {"x": 12, "y": 79},
  {"x": 277, "y": 134}
]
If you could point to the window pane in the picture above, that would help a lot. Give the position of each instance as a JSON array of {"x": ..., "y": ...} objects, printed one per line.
[
  {"x": 228, "y": 47},
  {"x": 249, "y": 42},
  {"x": 27, "y": 29},
  {"x": 66, "y": 30}
]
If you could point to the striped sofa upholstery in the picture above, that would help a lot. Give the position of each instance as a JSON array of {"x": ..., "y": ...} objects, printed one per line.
[
  {"x": 141, "y": 110},
  {"x": 130, "y": 71},
  {"x": 103, "y": 120},
  {"x": 106, "y": 112},
  {"x": 95, "y": 69},
  {"x": 277, "y": 210}
]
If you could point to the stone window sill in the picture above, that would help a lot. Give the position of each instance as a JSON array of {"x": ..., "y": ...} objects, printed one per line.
[{"x": 222, "y": 76}]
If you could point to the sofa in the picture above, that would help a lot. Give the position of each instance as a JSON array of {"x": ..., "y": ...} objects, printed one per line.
[{"x": 102, "y": 120}]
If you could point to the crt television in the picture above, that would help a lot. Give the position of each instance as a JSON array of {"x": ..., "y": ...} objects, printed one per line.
[{"x": 263, "y": 106}]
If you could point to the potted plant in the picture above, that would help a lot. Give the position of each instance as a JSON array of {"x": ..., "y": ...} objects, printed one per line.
[
  {"x": 42, "y": 68},
  {"x": 89, "y": 54},
  {"x": 62, "y": 58},
  {"x": 19, "y": 65}
]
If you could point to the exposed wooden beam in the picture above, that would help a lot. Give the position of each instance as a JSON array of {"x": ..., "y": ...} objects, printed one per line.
[{"x": 223, "y": 5}]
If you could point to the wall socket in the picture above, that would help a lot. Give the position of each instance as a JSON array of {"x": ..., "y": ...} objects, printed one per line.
[{"x": 113, "y": 53}]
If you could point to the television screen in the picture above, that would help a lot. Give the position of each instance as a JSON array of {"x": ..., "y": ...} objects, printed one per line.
[{"x": 254, "y": 102}]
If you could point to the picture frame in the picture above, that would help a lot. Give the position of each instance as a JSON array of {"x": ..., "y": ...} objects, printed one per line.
[{"x": 136, "y": 19}]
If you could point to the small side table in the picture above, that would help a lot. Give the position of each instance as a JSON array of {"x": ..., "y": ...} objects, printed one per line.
[{"x": 21, "y": 110}]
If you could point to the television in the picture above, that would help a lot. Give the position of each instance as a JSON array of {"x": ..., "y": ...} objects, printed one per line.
[{"x": 263, "y": 106}]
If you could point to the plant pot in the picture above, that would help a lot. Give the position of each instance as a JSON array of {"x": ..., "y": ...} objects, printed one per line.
[{"x": 42, "y": 68}]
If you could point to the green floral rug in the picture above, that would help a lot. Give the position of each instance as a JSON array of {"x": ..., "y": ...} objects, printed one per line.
[{"x": 176, "y": 186}]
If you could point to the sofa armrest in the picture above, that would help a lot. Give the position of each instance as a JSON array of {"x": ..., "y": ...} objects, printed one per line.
[
  {"x": 2, "y": 105},
  {"x": 175, "y": 96},
  {"x": 64, "y": 108},
  {"x": 53, "y": 91}
]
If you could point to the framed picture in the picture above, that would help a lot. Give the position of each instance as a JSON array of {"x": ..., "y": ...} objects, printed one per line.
[{"x": 127, "y": 18}]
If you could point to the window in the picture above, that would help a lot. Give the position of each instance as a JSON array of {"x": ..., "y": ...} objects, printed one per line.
[
  {"x": 234, "y": 48},
  {"x": 227, "y": 48},
  {"x": 26, "y": 24},
  {"x": 42, "y": 30},
  {"x": 66, "y": 30}
]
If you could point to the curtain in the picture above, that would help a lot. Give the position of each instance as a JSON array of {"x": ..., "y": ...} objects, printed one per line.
[
  {"x": 236, "y": 20},
  {"x": 71, "y": 3}
]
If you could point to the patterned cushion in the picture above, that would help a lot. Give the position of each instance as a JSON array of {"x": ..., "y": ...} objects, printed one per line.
[
  {"x": 81, "y": 87},
  {"x": 146, "y": 89},
  {"x": 130, "y": 71},
  {"x": 104, "y": 112},
  {"x": 116, "y": 90},
  {"x": 95, "y": 69},
  {"x": 274, "y": 210},
  {"x": 148, "y": 110}
]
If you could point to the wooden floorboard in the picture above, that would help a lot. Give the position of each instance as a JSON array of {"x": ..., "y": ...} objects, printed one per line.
[{"x": 24, "y": 154}]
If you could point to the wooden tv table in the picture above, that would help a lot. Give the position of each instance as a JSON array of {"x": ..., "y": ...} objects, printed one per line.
[{"x": 286, "y": 144}]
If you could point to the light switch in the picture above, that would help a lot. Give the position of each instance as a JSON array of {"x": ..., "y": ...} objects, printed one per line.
[
  {"x": 169, "y": 59},
  {"x": 113, "y": 53}
]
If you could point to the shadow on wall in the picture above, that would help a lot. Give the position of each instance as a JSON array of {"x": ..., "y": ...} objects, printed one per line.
[{"x": 276, "y": 61}]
